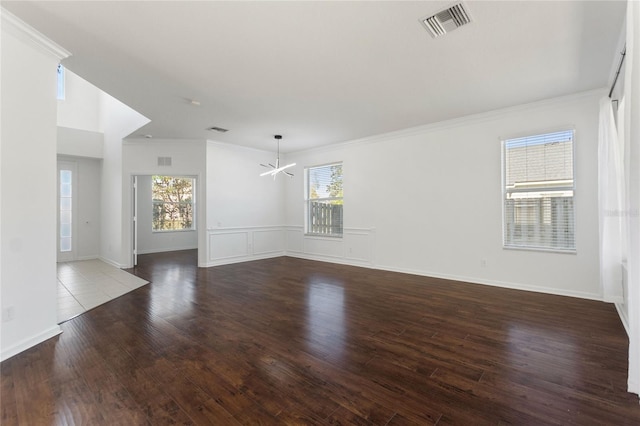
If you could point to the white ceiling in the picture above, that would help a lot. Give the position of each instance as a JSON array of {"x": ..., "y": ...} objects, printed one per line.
[{"x": 327, "y": 71}]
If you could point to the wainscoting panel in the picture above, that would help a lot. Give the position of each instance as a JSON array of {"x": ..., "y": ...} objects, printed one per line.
[
  {"x": 232, "y": 245},
  {"x": 359, "y": 245},
  {"x": 268, "y": 241},
  {"x": 325, "y": 247},
  {"x": 295, "y": 239},
  {"x": 356, "y": 247},
  {"x": 227, "y": 245}
]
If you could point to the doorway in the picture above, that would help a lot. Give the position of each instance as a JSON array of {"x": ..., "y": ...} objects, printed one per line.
[{"x": 164, "y": 214}]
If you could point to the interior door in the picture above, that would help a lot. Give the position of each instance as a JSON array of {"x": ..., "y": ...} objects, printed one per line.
[{"x": 67, "y": 211}]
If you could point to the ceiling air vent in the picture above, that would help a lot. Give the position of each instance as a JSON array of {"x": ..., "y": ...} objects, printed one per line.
[
  {"x": 218, "y": 129},
  {"x": 447, "y": 20}
]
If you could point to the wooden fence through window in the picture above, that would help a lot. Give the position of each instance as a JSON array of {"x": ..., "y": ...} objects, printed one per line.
[{"x": 325, "y": 219}]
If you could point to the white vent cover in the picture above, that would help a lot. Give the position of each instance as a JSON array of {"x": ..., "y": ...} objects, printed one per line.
[
  {"x": 447, "y": 20},
  {"x": 164, "y": 161}
]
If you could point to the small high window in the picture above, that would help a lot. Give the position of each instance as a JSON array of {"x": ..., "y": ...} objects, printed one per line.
[{"x": 61, "y": 81}]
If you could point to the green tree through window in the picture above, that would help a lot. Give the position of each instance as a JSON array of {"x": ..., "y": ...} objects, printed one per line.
[{"x": 173, "y": 203}]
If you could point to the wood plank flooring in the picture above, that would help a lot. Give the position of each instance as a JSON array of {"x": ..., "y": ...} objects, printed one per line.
[{"x": 291, "y": 341}]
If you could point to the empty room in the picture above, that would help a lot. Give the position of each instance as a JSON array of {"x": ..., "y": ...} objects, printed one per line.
[{"x": 320, "y": 212}]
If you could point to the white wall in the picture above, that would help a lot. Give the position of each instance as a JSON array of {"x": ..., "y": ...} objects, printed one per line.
[
  {"x": 140, "y": 158},
  {"x": 154, "y": 242},
  {"x": 237, "y": 195},
  {"x": 239, "y": 215},
  {"x": 92, "y": 124},
  {"x": 28, "y": 227},
  {"x": 428, "y": 201},
  {"x": 81, "y": 107},
  {"x": 80, "y": 143},
  {"x": 88, "y": 198},
  {"x": 632, "y": 142},
  {"x": 117, "y": 121},
  {"x": 244, "y": 211}
]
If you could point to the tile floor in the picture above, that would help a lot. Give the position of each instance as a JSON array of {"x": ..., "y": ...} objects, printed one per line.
[{"x": 85, "y": 284}]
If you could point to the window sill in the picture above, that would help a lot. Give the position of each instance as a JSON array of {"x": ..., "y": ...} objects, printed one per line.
[
  {"x": 323, "y": 236},
  {"x": 168, "y": 231},
  {"x": 541, "y": 249}
]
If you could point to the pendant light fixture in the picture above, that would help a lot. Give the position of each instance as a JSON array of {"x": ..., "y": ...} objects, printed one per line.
[{"x": 277, "y": 169}]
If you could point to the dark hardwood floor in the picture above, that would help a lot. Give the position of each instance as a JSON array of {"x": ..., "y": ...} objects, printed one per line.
[{"x": 290, "y": 341}]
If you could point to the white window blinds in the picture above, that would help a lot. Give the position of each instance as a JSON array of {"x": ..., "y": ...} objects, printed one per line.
[{"x": 538, "y": 192}]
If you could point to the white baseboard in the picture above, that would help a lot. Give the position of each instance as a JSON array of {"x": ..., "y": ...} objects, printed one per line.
[
  {"x": 163, "y": 250},
  {"x": 30, "y": 342},
  {"x": 623, "y": 318},
  {"x": 331, "y": 259},
  {"x": 502, "y": 284},
  {"x": 112, "y": 262},
  {"x": 471, "y": 280},
  {"x": 88, "y": 257},
  {"x": 240, "y": 259}
]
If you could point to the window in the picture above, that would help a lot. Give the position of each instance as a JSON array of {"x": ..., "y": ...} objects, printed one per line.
[
  {"x": 65, "y": 203},
  {"x": 324, "y": 200},
  {"x": 173, "y": 203},
  {"x": 61, "y": 90},
  {"x": 538, "y": 192}
]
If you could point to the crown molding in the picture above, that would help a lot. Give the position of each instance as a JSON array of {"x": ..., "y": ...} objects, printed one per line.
[
  {"x": 459, "y": 121},
  {"x": 29, "y": 34}
]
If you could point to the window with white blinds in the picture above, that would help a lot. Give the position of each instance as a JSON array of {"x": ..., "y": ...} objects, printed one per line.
[
  {"x": 324, "y": 200},
  {"x": 538, "y": 191}
]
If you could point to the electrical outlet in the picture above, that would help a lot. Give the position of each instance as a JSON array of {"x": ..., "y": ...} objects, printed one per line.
[{"x": 8, "y": 314}]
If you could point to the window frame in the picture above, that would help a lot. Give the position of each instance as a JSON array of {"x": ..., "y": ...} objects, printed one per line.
[
  {"x": 192, "y": 203},
  {"x": 61, "y": 83},
  {"x": 308, "y": 200},
  {"x": 504, "y": 191}
]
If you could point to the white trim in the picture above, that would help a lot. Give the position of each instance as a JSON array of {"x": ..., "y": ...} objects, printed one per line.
[
  {"x": 111, "y": 262},
  {"x": 342, "y": 258},
  {"x": 458, "y": 121},
  {"x": 89, "y": 257},
  {"x": 461, "y": 279},
  {"x": 163, "y": 250},
  {"x": 29, "y": 34},
  {"x": 240, "y": 259},
  {"x": 623, "y": 318},
  {"x": 199, "y": 212},
  {"x": 331, "y": 259},
  {"x": 25, "y": 344},
  {"x": 244, "y": 249},
  {"x": 224, "y": 229},
  {"x": 501, "y": 284}
]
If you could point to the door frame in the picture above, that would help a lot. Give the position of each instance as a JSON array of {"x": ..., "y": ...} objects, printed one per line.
[{"x": 132, "y": 194}]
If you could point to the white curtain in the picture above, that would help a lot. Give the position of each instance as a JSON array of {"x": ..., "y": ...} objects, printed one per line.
[
  {"x": 611, "y": 200},
  {"x": 632, "y": 140}
]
